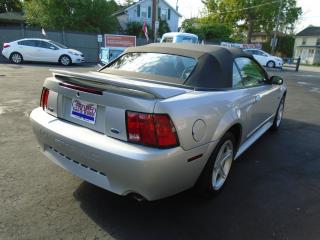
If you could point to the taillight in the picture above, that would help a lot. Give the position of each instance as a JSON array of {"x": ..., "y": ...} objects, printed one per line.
[
  {"x": 151, "y": 129},
  {"x": 6, "y": 45},
  {"x": 44, "y": 98}
]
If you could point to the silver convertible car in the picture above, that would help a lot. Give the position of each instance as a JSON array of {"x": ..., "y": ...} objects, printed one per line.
[{"x": 159, "y": 119}]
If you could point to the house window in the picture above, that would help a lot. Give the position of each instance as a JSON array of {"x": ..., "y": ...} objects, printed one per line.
[
  {"x": 149, "y": 11},
  {"x": 318, "y": 41},
  {"x": 144, "y": 12},
  {"x": 310, "y": 53},
  {"x": 169, "y": 14},
  {"x": 164, "y": 14},
  {"x": 304, "y": 41},
  {"x": 138, "y": 10}
]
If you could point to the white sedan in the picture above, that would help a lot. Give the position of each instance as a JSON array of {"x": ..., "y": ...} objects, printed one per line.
[
  {"x": 265, "y": 59},
  {"x": 40, "y": 50}
]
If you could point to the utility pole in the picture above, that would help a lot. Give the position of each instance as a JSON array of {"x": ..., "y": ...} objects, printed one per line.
[
  {"x": 154, "y": 18},
  {"x": 274, "y": 40}
]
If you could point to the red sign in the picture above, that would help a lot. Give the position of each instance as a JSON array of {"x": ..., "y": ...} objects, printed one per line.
[{"x": 119, "y": 40}]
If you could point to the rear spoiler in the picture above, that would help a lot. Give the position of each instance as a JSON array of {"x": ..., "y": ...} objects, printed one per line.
[{"x": 105, "y": 81}]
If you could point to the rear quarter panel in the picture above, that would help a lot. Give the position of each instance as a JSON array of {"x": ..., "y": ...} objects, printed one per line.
[{"x": 219, "y": 110}]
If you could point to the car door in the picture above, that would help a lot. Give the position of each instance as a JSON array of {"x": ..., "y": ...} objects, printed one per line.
[
  {"x": 264, "y": 96},
  {"x": 259, "y": 57},
  {"x": 47, "y": 52},
  {"x": 27, "y": 50},
  {"x": 263, "y": 57}
]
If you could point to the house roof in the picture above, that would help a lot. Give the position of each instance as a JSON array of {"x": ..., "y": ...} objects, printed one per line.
[
  {"x": 310, "y": 31},
  {"x": 12, "y": 17},
  {"x": 121, "y": 11}
]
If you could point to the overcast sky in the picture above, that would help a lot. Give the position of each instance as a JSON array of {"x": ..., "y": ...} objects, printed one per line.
[{"x": 310, "y": 8}]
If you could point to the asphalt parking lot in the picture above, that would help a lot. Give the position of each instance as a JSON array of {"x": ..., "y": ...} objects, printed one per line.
[{"x": 274, "y": 191}]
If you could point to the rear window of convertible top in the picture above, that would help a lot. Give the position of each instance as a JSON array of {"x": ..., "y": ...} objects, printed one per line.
[{"x": 164, "y": 65}]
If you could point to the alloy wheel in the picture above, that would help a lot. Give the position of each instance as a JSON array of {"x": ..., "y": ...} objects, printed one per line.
[
  {"x": 270, "y": 64},
  {"x": 222, "y": 165},
  {"x": 16, "y": 58},
  {"x": 65, "y": 60},
  {"x": 280, "y": 114}
]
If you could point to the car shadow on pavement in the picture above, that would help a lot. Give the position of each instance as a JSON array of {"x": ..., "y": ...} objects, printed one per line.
[{"x": 273, "y": 188}]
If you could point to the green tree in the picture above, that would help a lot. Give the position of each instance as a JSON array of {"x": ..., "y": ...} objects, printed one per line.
[
  {"x": 163, "y": 27},
  {"x": 188, "y": 25},
  {"x": 136, "y": 29},
  {"x": 253, "y": 15},
  {"x": 284, "y": 47},
  {"x": 207, "y": 29},
  {"x": 10, "y": 6},
  {"x": 78, "y": 15}
]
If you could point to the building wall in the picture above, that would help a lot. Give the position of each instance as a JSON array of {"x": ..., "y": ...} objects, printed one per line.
[
  {"x": 123, "y": 21},
  {"x": 309, "y": 54},
  {"x": 133, "y": 17},
  {"x": 259, "y": 39},
  {"x": 317, "y": 56}
]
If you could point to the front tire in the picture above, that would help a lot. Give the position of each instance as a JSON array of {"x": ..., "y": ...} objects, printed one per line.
[
  {"x": 215, "y": 174},
  {"x": 271, "y": 64},
  {"x": 65, "y": 60},
  {"x": 16, "y": 58}
]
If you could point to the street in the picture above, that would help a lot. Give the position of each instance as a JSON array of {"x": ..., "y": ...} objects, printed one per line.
[{"x": 274, "y": 192}]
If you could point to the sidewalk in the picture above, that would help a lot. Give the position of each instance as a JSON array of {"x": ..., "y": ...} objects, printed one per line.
[{"x": 315, "y": 69}]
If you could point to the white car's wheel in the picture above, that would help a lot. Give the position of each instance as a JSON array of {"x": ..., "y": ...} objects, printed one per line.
[
  {"x": 216, "y": 171},
  {"x": 16, "y": 58},
  {"x": 65, "y": 60},
  {"x": 271, "y": 64}
]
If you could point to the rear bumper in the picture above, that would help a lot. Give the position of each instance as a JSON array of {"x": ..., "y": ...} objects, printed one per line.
[
  {"x": 5, "y": 53},
  {"x": 114, "y": 165}
]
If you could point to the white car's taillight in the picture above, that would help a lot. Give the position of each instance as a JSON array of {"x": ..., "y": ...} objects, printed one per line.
[
  {"x": 155, "y": 130},
  {"x": 6, "y": 45},
  {"x": 44, "y": 98}
]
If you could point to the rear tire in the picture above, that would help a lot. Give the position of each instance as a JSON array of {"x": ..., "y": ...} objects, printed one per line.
[
  {"x": 16, "y": 58},
  {"x": 278, "y": 118},
  {"x": 65, "y": 60},
  {"x": 271, "y": 64},
  {"x": 215, "y": 174}
]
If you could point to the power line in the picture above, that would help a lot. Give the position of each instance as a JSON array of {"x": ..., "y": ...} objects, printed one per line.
[{"x": 242, "y": 9}]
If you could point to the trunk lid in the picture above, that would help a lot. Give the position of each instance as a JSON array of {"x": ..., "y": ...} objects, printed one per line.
[{"x": 110, "y": 95}]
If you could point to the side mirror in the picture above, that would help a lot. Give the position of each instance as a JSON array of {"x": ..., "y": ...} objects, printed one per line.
[{"x": 276, "y": 80}]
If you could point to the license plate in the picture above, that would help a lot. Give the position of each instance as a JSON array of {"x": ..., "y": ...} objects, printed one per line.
[{"x": 84, "y": 111}]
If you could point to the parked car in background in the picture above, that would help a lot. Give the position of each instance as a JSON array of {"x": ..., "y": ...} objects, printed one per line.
[
  {"x": 40, "y": 50},
  {"x": 178, "y": 37},
  {"x": 108, "y": 54},
  {"x": 160, "y": 119},
  {"x": 265, "y": 59}
]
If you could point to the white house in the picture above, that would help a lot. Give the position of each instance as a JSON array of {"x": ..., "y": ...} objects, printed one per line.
[
  {"x": 307, "y": 45},
  {"x": 141, "y": 11}
]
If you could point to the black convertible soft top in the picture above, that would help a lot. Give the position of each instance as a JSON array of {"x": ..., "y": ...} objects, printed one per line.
[{"x": 214, "y": 67}]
